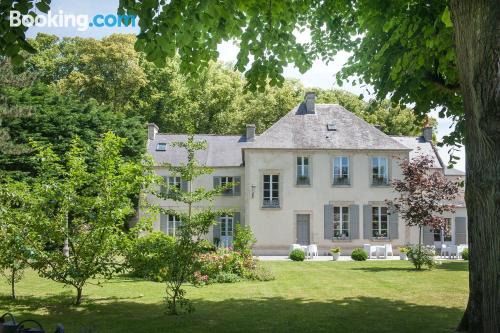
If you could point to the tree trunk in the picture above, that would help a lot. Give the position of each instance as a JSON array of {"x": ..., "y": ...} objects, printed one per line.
[
  {"x": 13, "y": 283},
  {"x": 78, "y": 299},
  {"x": 477, "y": 30}
]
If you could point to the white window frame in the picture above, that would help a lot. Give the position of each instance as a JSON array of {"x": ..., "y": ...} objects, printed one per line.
[
  {"x": 271, "y": 201},
  {"x": 223, "y": 222},
  {"x": 173, "y": 224},
  {"x": 225, "y": 180},
  {"x": 378, "y": 221},
  {"x": 341, "y": 168},
  {"x": 175, "y": 181},
  {"x": 163, "y": 146},
  {"x": 442, "y": 234},
  {"x": 303, "y": 169},
  {"x": 379, "y": 174},
  {"x": 341, "y": 222}
]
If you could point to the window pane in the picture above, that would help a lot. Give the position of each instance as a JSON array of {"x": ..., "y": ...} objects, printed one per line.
[{"x": 267, "y": 178}]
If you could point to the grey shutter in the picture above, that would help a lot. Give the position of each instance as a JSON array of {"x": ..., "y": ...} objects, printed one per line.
[
  {"x": 460, "y": 230},
  {"x": 354, "y": 221},
  {"x": 217, "y": 231},
  {"x": 237, "y": 186},
  {"x": 163, "y": 223},
  {"x": 184, "y": 185},
  {"x": 216, "y": 182},
  {"x": 367, "y": 221},
  {"x": 393, "y": 225},
  {"x": 328, "y": 232},
  {"x": 163, "y": 187},
  {"x": 237, "y": 219},
  {"x": 428, "y": 235}
]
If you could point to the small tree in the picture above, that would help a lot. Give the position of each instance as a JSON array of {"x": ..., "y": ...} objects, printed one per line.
[
  {"x": 424, "y": 196},
  {"x": 14, "y": 206},
  {"x": 194, "y": 223},
  {"x": 83, "y": 206}
]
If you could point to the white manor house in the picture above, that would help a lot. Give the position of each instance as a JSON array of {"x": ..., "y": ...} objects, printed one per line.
[{"x": 319, "y": 175}]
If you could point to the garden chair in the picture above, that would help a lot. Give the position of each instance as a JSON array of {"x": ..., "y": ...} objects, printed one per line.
[
  {"x": 388, "y": 249},
  {"x": 369, "y": 250},
  {"x": 294, "y": 247},
  {"x": 452, "y": 251},
  {"x": 312, "y": 251},
  {"x": 444, "y": 250}
]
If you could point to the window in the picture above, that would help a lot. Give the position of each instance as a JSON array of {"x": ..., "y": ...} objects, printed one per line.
[
  {"x": 171, "y": 225},
  {"x": 380, "y": 172},
  {"x": 226, "y": 226},
  {"x": 161, "y": 146},
  {"x": 379, "y": 222},
  {"x": 341, "y": 222},
  {"x": 271, "y": 191},
  {"x": 441, "y": 235},
  {"x": 331, "y": 127},
  {"x": 174, "y": 182},
  {"x": 341, "y": 171},
  {"x": 303, "y": 170},
  {"x": 223, "y": 182}
]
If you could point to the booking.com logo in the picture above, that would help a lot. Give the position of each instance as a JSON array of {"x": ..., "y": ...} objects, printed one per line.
[{"x": 61, "y": 20}]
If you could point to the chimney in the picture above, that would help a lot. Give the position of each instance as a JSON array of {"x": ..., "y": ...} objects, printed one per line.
[
  {"x": 152, "y": 131},
  {"x": 427, "y": 133},
  {"x": 250, "y": 132},
  {"x": 309, "y": 101},
  {"x": 378, "y": 126}
]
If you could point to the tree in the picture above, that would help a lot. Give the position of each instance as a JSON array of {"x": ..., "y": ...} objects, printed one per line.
[
  {"x": 195, "y": 223},
  {"x": 82, "y": 207},
  {"x": 424, "y": 196},
  {"x": 15, "y": 201}
]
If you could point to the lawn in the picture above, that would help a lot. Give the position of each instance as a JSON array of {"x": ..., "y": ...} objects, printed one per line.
[{"x": 374, "y": 296}]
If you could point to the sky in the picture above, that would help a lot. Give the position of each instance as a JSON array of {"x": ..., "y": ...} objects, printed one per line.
[{"x": 320, "y": 75}]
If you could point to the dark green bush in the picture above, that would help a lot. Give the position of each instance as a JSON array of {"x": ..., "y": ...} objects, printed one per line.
[
  {"x": 224, "y": 277},
  {"x": 206, "y": 246},
  {"x": 297, "y": 255},
  {"x": 465, "y": 254},
  {"x": 243, "y": 240},
  {"x": 145, "y": 256},
  {"x": 359, "y": 255}
]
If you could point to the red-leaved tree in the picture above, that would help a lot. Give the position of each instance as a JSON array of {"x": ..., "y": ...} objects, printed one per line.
[{"x": 425, "y": 194}]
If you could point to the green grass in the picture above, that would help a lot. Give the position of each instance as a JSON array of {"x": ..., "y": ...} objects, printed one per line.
[{"x": 305, "y": 297}]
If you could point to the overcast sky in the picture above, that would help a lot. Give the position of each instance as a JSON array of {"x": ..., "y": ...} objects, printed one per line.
[{"x": 320, "y": 75}]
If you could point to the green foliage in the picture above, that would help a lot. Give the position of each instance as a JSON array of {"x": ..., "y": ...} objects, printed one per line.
[
  {"x": 205, "y": 246},
  {"x": 243, "y": 240},
  {"x": 421, "y": 256},
  {"x": 145, "y": 256},
  {"x": 359, "y": 254},
  {"x": 224, "y": 277},
  {"x": 15, "y": 203},
  {"x": 403, "y": 249},
  {"x": 465, "y": 254},
  {"x": 297, "y": 255},
  {"x": 210, "y": 265},
  {"x": 80, "y": 209},
  {"x": 260, "y": 273},
  {"x": 335, "y": 250}
]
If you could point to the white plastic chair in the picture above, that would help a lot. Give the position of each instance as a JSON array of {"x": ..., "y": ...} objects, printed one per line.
[
  {"x": 369, "y": 249},
  {"x": 294, "y": 247},
  {"x": 312, "y": 251},
  {"x": 452, "y": 251},
  {"x": 388, "y": 249},
  {"x": 444, "y": 250}
]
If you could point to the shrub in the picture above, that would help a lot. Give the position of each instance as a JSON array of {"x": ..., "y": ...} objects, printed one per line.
[
  {"x": 145, "y": 256},
  {"x": 224, "y": 277},
  {"x": 335, "y": 250},
  {"x": 260, "y": 273},
  {"x": 359, "y": 254},
  {"x": 403, "y": 249},
  {"x": 297, "y": 255},
  {"x": 243, "y": 240},
  {"x": 465, "y": 254},
  {"x": 223, "y": 260},
  {"x": 206, "y": 246},
  {"x": 421, "y": 256}
]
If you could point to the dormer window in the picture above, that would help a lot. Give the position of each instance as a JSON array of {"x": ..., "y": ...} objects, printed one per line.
[
  {"x": 331, "y": 127},
  {"x": 162, "y": 146}
]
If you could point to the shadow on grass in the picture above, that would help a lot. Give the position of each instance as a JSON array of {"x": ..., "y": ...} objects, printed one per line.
[
  {"x": 273, "y": 314},
  {"x": 455, "y": 266}
]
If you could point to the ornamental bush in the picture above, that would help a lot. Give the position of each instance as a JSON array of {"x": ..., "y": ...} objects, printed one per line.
[
  {"x": 421, "y": 256},
  {"x": 359, "y": 254},
  {"x": 146, "y": 256},
  {"x": 297, "y": 255},
  {"x": 465, "y": 254},
  {"x": 224, "y": 260}
]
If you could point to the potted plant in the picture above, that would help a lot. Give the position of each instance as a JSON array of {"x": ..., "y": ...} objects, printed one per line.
[
  {"x": 335, "y": 253},
  {"x": 403, "y": 253}
]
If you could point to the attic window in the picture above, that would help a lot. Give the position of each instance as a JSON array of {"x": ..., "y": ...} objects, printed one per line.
[
  {"x": 161, "y": 146},
  {"x": 331, "y": 127}
]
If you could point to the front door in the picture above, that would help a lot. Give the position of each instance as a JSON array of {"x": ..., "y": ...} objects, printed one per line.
[
  {"x": 226, "y": 230},
  {"x": 303, "y": 229}
]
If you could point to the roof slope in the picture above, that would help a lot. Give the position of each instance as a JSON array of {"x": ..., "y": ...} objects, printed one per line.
[
  {"x": 299, "y": 130},
  {"x": 419, "y": 146},
  {"x": 221, "y": 150}
]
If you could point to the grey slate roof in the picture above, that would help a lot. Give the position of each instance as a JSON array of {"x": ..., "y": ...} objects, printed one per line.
[
  {"x": 221, "y": 150},
  {"x": 297, "y": 130},
  {"x": 419, "y": 146}
]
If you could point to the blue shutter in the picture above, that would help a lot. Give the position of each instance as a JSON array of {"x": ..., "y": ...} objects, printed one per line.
[
  {"x": 237, "y": 218},
  {"x": 237, "y": 186},
  {"x": 184, "y": 185},
  {"x": 216, "y": 182},
  {"x": 163, "y": 223},
  {"x": 163, "y": 187},
  {"x": 427, "y": 235},
  {"x": 216, "y": 229},
  {"x": 367, "y": 221},
  {"x": 393, "y": 225},
  {"x": 354, "y": 222},
  {"x": 328, "y": 223}
]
